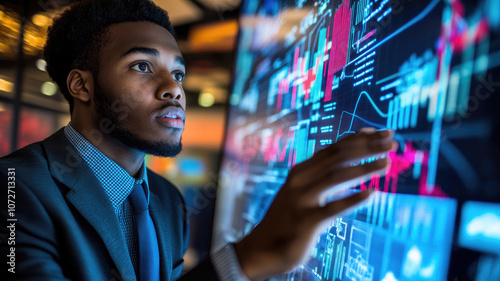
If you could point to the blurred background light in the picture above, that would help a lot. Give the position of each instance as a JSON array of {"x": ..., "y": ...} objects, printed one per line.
[
  {"x": 49, "y": 88},
  {"x": 6, "y": 86},
  {"x": 215, "y": 37},
  {"x": 41, "y": 20},
  {"x": 41, "y": 64},
  {"x": 34, "y": 35},
  {"x": 206, "y": 99}
]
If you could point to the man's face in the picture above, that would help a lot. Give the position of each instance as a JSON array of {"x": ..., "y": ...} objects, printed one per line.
[{"x": 139, "y": 88}]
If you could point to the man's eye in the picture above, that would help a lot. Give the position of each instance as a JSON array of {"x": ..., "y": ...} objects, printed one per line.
[
  {"x": 179, "y": 76},
  {"x": 141, "y": 67}
]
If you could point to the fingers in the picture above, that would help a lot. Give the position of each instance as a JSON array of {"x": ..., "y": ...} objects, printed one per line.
[
  {"x": 346, "y": 157},
  {"x": 376, "y": 144},
  {"x": 362, "y": 139},
  {"x": 368, "y": 130},
  {"x": 336, "y": 207},
  {"x": 342, "y": 179}
]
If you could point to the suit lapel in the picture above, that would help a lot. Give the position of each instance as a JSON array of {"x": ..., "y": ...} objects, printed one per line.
[
  {"x": 88, "y": 197},
  {"x": 162, "y": 231}
]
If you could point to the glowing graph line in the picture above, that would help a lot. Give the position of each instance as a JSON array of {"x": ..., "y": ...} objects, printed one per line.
[
  {"x": 376, "y": 125},
  {"x": 416, "y": 19},
  {"x": 383, "y": 115}
]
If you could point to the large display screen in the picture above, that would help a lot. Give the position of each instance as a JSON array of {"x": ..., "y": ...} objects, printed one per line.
[{"x": 310, "y": 72}]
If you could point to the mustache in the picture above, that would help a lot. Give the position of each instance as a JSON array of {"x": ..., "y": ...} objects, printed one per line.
[{"x": 168, "y": 104}]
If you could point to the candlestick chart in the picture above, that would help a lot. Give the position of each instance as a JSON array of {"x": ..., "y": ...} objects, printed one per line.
[{"x": 309, "y": 73}]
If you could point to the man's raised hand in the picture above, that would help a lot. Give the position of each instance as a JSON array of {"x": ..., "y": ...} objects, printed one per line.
[{"x": 284, "y": 238}]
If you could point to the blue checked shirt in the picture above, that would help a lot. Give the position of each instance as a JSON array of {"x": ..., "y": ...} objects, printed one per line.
[{"x": 118, "y": 184}]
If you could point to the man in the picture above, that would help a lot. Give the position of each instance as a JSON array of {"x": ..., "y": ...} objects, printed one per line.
[{"x": 80, "y": 194}]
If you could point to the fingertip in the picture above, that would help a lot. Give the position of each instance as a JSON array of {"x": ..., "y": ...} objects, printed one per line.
[
  {"x": 368, "y": 192},
  {"x": 382, "y": 162},
  {"x": 395, "y": 145},
  {"x": 362, "y": 198},
  {"x": 368, "y": 198},
  {"x": 387, "y": 133},
  {"x": 363, "y": 195},
  {"x": 368, "y": 130}
]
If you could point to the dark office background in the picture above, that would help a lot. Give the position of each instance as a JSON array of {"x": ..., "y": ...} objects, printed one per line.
[{"x": 32, "y": 108}]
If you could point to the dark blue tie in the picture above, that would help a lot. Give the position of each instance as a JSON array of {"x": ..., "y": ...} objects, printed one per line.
[{"x": 148, "y": 255}]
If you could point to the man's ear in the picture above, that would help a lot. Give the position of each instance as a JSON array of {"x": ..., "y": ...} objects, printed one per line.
[{"x": 80, "y": 84}]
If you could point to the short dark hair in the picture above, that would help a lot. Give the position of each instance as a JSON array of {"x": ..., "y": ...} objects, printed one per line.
[{"x": 76, "y": 36}]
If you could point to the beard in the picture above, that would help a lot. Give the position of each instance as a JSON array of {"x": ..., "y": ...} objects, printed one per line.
[{"x": 126, "y": 136}]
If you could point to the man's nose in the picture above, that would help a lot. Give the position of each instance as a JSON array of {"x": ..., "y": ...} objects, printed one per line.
[{"x": 169, "y": 89}]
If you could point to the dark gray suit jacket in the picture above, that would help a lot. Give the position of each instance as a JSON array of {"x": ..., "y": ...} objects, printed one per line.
[{"x": 66, "y": 228}]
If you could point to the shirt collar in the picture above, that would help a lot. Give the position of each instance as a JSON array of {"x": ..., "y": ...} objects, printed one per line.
[{"x": 117, "y": 183}]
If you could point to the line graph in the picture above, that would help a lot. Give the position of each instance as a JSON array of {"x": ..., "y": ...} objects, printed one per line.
[
  {"x": 412, "y": 22},
  {"x": 353, "y": 114}
]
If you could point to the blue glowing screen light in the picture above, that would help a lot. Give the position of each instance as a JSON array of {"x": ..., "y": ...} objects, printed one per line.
[
  {"x": 191, "y": 166},
  {"x": 311, "y": 72},
  {"x": 480, "y": 226}
]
